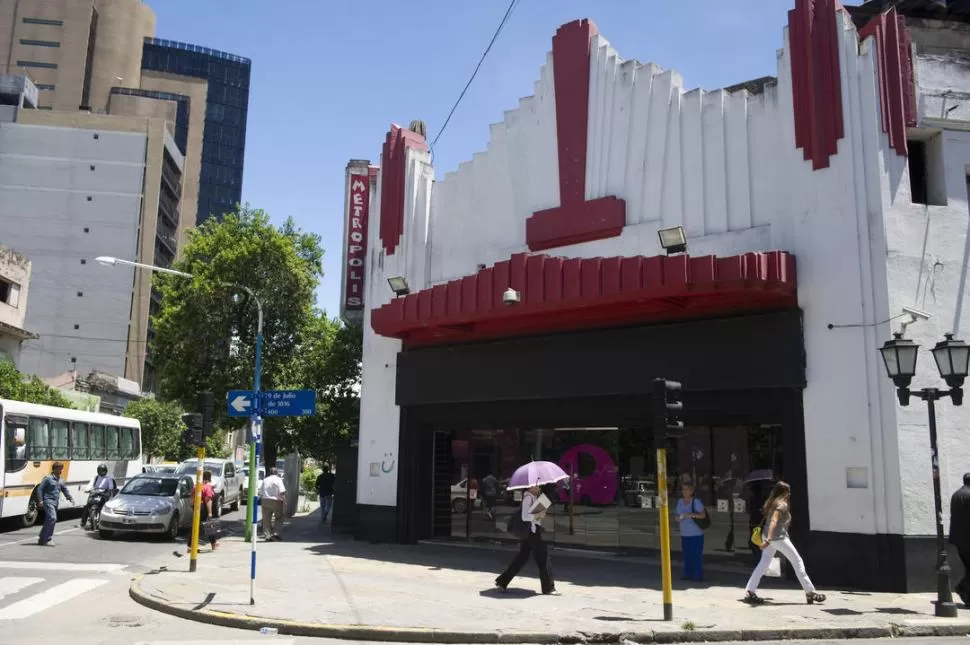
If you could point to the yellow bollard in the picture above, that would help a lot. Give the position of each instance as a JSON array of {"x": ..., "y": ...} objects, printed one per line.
[
  {"x": 196, "y": 511},
  {"x": 664, "y": 515}
]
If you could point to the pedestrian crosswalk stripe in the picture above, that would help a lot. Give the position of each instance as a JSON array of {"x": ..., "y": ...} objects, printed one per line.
[
  {"x": 47, "y": 599},
  {"x": 236, "y": 641},
  {"x": 10, "y": 586},
  {"x": 84, "y": 567}
]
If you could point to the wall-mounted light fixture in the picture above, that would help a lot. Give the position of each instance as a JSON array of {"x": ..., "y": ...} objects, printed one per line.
[
  {"x": 673, "y": 240},
  {"x": 399, "y": 285}
]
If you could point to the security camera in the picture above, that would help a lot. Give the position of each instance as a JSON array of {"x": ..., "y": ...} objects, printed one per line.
[
  {"x": 511, "y": 297},
  {"x": 916, "y": 314}
]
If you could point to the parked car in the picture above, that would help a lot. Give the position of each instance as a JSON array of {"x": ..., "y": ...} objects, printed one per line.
[
  {"x": 226, "y": 483},
  {"x": 149, "y": 503},
  {"x": 167, "y": 467},
  {"x": 459, "y": 497}
]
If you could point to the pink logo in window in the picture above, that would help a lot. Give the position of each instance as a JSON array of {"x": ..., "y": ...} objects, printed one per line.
[{"x": 596, "y": 487}]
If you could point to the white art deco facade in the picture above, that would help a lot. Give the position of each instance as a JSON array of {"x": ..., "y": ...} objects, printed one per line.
[{"x": 816, "y": 205}]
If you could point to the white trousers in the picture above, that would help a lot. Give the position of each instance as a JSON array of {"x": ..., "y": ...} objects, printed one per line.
[{"x": 787, "y": 549}]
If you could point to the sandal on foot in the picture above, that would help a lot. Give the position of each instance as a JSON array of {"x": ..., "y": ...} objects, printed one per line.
[
  {"x": 814, "y": 597},
  {"x": 754, "y": 599}
]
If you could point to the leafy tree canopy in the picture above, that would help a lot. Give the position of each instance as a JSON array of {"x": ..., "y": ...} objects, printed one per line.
[
  {"x": 205, "y": 333},
  {"x": 161, "y": 427},
  {"x": 17, "y": 387}
]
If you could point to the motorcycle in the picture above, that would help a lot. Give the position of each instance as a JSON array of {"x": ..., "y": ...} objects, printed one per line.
[{"x": 92, "y": 514}]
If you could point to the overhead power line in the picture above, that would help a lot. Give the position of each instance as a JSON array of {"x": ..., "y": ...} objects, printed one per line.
[{"x": 498, "y": 30}]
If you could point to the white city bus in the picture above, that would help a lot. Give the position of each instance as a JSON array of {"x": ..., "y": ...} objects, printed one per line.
[{"x": 33, "y": 437}]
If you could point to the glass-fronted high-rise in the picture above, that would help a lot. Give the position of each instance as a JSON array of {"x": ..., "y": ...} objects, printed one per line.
[{"x": 227, "y": 105}]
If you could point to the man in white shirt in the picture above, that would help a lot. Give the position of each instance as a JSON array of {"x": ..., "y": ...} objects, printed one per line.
[{"x": 272, "y": 496}]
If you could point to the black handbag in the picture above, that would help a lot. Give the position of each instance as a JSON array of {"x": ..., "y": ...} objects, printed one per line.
[
  {"x": 705, "y": 522},
  {"x": 517, "y": 526},
  {"x": 212, "y": 529}
]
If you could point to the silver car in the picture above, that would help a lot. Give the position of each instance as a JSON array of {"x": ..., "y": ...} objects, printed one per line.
[{"x": 149, "y": 503}]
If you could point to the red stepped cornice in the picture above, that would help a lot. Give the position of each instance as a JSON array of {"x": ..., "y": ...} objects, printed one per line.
[{"x": 560, "y": 294}]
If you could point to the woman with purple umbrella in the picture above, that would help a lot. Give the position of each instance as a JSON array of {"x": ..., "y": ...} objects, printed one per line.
[{"x": 527, "y": 524}]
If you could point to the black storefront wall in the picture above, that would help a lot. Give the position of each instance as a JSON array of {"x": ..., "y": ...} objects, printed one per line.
[{"x": 744, "y": 369}]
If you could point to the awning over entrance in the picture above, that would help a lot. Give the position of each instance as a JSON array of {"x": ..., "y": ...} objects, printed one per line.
[{"x": 558, "y": 294}]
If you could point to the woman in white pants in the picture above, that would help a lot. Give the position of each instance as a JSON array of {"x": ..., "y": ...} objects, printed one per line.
[{"x": 777, "y": 513}]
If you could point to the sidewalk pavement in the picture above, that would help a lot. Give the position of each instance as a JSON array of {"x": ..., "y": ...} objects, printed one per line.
[{"x": 314, "y": 585}]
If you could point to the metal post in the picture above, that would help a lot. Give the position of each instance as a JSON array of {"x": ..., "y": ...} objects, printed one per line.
[
  {"x": 664, "y": 515},
  {"x": 944, "y": 597},
  {"x": 257, "y": 425},
  {"x": 253, "y": 457},
  {"x": 958, "y": 311},
  {"x": 196, "y": 510}
]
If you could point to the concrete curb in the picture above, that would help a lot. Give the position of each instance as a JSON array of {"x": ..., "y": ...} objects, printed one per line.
[{"x": 423, "y": 635}]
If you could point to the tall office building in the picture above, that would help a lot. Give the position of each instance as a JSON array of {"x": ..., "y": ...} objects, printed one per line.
[
  {"x": 75, "y": 186},
  {"x": 101, "y": 57},
  {"x": 74, "y": 51},
  {"x": 227, "y": 106}
]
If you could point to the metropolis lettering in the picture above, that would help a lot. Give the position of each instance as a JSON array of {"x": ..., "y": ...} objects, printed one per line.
[{"x": 356, "y": 241}]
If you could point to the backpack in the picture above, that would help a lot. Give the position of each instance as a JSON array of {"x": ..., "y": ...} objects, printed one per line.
[{"x": 705, "y": 522}]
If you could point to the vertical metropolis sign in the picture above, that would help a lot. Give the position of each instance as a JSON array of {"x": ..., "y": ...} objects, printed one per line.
[{"x": 356, "y": 214}]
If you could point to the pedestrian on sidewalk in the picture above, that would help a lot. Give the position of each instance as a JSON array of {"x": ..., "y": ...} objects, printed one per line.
[
  {"x": 777, "y": 511},
  {"x": 207, "y": 530},
  {"x": 48, "y": 498},
  {"x": 272, "y": 497},
  {"x": 960, "y": 534},
  {"x": 689, "y": 510},
  {"x": 531, "y": 544},
  {"x": 325, "y": 482}
]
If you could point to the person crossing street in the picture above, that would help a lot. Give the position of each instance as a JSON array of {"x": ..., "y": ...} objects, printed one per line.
[{"x": 48, "y": 497}]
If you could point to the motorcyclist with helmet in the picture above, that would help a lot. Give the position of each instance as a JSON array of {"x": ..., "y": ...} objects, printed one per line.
[{"x": 101, "y": 481}]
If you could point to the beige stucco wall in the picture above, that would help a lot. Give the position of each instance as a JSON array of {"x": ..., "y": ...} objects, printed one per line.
[
  {"x": 70, "y": 57},
  {"x": 121, "y": 29},
  {"x": 196, "y": 89},
  {"x": 123, "y": 26},
  {"x": 143, "y": 106}
]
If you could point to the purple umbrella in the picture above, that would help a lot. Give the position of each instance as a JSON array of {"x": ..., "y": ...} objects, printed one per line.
[{"x": 536, "y": 473}]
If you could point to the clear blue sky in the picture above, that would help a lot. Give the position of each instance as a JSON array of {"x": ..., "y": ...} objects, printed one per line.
[{"x": 329, "y": 76}]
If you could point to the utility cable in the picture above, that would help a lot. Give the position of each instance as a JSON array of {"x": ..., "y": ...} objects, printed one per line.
[{"x": 498, "y": 30}]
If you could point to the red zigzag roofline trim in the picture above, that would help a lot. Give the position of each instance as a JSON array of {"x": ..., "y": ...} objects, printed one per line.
[
  {"x": 394, "y": 159},
  {"x": 897, "y": 91},
  {"x": 558, "y": 293}
]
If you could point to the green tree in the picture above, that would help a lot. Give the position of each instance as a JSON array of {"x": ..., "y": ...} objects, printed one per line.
[
  {"x": 161, "y": 427},
  {"x": 16, "y": 386},
  {"x": 205, "y": 333},
  {"x": 330, "y": 363}
]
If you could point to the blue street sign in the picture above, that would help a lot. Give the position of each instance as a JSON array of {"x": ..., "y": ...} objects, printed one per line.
[
  {"x": 241, "y": 403},
  {"x": 289, "y": 403}
]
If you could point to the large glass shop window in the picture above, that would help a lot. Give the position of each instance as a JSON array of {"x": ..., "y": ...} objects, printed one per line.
[{"x": 610, "y": 500}]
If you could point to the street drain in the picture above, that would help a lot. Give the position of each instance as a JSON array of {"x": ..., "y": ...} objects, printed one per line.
[{"x": 124, "y": 621}]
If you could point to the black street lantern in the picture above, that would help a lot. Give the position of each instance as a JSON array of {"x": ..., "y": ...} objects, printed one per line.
[
  {"x": 952, "y": 360},
  {"x": 899, "y": 355}
]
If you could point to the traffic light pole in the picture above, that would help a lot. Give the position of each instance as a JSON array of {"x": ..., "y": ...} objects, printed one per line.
[
  {"x": 667, "y": 426},
  {"x": 664, "y": 512},
  {"x": 196, "y": 510}
]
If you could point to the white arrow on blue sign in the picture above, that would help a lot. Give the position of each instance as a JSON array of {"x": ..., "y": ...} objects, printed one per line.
[
  {"x": 272, "y": 403},
  {"x": 241, "y": 403}
]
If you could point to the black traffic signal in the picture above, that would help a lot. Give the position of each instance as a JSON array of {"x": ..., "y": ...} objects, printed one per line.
[
  {"x": 193, "y": 434},
  {"x": 667, "y": 410},
  {"x": 205, "y": 409}
]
